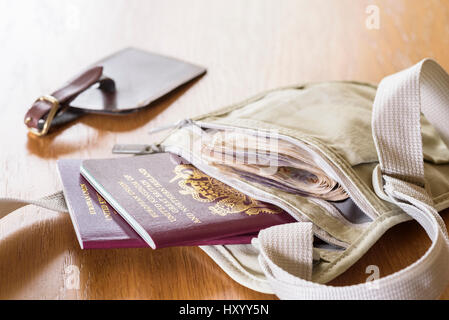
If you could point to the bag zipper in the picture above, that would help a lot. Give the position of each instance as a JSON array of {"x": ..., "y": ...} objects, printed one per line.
[
  {"x": 327, "y": 167},
  {"x": 320, "y": 160}
]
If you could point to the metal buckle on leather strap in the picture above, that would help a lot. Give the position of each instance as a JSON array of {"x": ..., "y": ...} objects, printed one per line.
[{"x": 50, "y": 116}]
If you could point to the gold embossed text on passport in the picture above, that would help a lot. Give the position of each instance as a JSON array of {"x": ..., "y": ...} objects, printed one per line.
[{"x": 225, "y": 199}]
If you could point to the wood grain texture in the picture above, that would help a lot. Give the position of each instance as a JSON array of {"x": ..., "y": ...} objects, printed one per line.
[{"x": 247, "y": 46}]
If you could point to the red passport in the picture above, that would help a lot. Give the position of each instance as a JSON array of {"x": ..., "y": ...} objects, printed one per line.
[
  {"x": 169, "y": 202},
  {"x": 97, "y": 225}
]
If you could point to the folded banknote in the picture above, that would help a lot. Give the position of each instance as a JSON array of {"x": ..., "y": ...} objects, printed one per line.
[{"x": 269, "y": 161}]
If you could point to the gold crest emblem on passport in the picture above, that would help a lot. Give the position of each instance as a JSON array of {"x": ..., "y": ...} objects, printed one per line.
[{"x": 226, "y": 200}]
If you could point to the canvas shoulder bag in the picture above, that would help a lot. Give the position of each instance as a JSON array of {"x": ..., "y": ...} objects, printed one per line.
[{"x": 388, "y": 148}]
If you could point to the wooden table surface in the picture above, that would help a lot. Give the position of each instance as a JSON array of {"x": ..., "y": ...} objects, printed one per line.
[{"x": 247, "y": 46}]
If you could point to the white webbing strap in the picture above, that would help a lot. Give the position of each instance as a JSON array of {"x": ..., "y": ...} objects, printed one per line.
[
  {"x": 286, "y": 250},
  {"x": 55, "y": 202},
  {"x": 397, "y": 134},
  {"x": 277, "y": 246}
]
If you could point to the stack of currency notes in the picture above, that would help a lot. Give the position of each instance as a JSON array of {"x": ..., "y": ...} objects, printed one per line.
[{"x": 270, "y": 161}]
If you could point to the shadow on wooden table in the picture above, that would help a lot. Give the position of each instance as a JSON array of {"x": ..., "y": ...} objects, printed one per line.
[
  {"x": 51, "y": 147},
  {"x": 170, "y": 273},
  {"x": 398, "y": 248},
  {"x": 33, "y": 262},
  {"x": 26, "y": 253}
]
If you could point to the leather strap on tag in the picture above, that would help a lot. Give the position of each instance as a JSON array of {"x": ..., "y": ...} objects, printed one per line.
[{"x": 40, "y": 116}]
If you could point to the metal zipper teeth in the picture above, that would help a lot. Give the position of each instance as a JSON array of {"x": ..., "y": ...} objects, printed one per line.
[
  {"x": 261, "y": 195},
  {"x": 327, "y": 167}
]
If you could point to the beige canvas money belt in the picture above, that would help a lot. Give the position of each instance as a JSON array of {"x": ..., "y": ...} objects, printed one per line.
[{"x": 286, "y": 251}]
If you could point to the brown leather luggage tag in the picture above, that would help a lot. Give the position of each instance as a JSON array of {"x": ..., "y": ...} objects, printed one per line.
[{"x": 124, "y": 82}]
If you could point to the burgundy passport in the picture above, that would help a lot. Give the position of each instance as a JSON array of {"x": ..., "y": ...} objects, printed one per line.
[
  {"x": 169, "y": 202},
  {"x": 96, "y": 223}
]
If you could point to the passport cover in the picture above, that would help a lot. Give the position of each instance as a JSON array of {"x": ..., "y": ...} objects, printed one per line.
[
  {"x": 97, "y": 225},
  {"x": 169, "y": 202}
]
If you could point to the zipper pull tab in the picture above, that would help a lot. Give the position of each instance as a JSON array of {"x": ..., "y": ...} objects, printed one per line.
[{"x": 137, "y": 149}]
